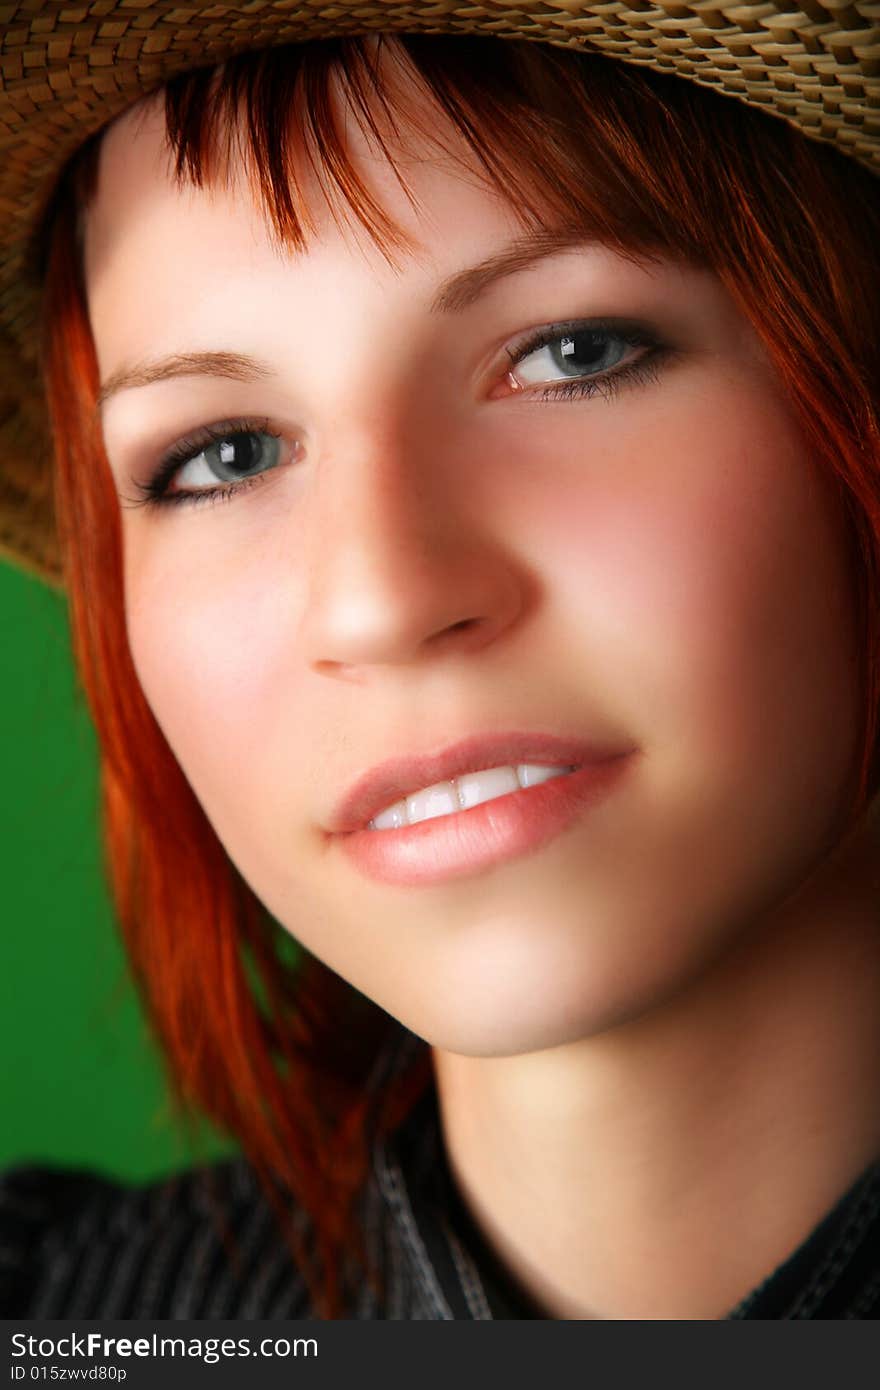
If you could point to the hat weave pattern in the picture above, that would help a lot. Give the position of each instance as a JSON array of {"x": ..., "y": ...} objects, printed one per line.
[{"x": 66, "y": 69}]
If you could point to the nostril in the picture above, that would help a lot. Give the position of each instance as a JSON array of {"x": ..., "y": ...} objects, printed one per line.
[{"x": 464, "y": 625}]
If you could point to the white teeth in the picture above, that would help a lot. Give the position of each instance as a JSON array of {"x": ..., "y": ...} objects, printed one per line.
[
  {"x": 476, "y": 787},
  {"x": 531, "y": 774},
  {"x": 439, "y": 800},
  {"x": 392, "y": 819},
  {"x": 445, "y": 798}
]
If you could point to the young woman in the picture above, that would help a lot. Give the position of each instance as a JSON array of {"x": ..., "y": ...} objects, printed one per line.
[{"x": 468, "y": 486}]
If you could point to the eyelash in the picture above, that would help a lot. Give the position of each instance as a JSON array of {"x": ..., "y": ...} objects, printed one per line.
[{"x": 154, "y": 492}]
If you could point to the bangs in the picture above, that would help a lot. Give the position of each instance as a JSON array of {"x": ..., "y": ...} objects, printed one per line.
[
  {"x": 513, "y": 106},
  {"x": 571, "y": 141}
]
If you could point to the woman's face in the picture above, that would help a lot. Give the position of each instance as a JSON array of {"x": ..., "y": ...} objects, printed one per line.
[{"x": 443, "y": 545}]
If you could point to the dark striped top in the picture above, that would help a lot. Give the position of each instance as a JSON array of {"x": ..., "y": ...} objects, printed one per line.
[{"x": 74, "y": 1244}]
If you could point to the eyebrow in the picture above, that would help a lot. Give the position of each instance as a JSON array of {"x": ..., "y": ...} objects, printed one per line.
[
  {"x": 456, "y": 294},
  {"x": 463, "y": 289},
  {"x": 232, "y": 365}
]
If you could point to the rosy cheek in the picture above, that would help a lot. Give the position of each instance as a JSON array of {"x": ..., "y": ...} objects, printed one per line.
[
  {"x": 671, "y": 543},
  {"x": 209, "y": 644}
]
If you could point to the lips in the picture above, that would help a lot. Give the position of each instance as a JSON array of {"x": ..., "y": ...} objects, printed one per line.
[{"x": 396, "y": 778}]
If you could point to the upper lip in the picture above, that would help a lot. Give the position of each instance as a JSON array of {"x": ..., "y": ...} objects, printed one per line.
[{"x": 392, "y": 780}]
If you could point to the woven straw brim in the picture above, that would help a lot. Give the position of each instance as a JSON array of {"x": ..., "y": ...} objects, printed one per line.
[{"x": 66, "y": 69}]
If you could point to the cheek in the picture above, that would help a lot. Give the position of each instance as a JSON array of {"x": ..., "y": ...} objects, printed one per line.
[
  {"x": 700, "y": 562},
  {"x": 215, "y": 660}
]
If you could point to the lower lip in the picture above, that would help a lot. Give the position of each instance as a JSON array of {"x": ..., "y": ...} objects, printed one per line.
[{"x": 456, "y": 846}]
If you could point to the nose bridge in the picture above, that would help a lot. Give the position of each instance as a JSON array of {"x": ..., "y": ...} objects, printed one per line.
[{"x": 394, "y": 565}]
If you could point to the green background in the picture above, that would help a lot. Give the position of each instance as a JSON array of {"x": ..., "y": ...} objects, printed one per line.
[{"x": 81, "y": 1081}]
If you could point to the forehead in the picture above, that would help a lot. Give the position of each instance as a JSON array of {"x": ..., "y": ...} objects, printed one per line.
[
  {"x": 427, "y": 154},
  {"x": 189, "y": 254}
]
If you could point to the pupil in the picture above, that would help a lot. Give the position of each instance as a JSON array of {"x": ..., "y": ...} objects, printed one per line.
[
  {"x": 583, "y": 349},
  {"x": 238, "y": 452}
]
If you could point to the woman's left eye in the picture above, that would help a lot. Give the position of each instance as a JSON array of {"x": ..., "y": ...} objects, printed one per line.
[{"x": 583, "y": 358}]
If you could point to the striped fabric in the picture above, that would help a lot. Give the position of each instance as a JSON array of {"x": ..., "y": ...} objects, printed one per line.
[{"x": 77, "y": 1245}]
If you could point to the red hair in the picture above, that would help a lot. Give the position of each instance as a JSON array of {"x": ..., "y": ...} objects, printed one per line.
[{"x": 266, "y": 1041}]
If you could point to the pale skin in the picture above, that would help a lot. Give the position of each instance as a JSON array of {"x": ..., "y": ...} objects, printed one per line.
[{"x": 657, "y": 1039}]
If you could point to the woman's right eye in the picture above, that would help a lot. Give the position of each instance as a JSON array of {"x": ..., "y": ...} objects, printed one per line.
[
  {"x": 229, "y": 457},
  {"x": 238, "y": 454}
]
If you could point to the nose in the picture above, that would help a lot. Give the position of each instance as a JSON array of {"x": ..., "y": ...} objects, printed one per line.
[{"x": 398, "y": 566}]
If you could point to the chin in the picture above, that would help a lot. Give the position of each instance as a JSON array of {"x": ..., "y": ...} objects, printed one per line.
[
  {"x": 509, "y": 1008},
  {"x": 508, "y": 989}
]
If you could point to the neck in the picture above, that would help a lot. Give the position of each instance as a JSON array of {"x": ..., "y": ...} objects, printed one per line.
[{"x": 663, "y": 1168}]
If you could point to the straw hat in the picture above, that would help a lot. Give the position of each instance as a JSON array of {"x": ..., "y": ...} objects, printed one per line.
[{"x": 69, "y": 66}]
